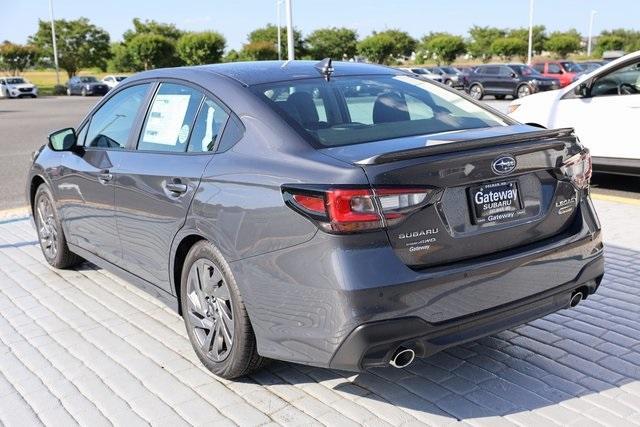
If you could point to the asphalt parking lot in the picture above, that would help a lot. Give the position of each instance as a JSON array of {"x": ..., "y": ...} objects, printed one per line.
[{"x": 85, "y": 347}]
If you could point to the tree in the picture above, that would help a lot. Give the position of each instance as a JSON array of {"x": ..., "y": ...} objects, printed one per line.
[
  {"x": 481, "y": 39},
  {"x": 152, "y": 27},
  {"x": 539, "y": 37},
  {"x": 16, "y": 58},
  {"x": 563, "y": 43},
  {"x": 121, "y": 59},
  {"x": 80, "y": 44},
  {"x": 152, "y": 51},
  {"x": 270, "y": 34},
  {"x": 233, "y": 56},
  {"x": 445, "y": 47},
  {"x": 336, "y": 43},
  {"x": 259, "y": 51},
  {"x": 609, "y": 40},
  {"x": 201, "y": 48},
  {"x": 378, "y": 48},
  {"x": 405, "y": 44},
  {"x": 508, "y": 47}
]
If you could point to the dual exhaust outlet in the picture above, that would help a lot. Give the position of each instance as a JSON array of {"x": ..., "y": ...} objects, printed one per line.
[{"x": 403, "y": 356}]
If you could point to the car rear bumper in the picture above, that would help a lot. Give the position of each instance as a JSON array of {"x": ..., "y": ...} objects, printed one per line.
[{"x": 350, "y": 306}]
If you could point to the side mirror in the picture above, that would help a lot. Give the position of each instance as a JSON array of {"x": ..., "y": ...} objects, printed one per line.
[
  {"x": 581, "y": 90},
  {"x": 63, "y": 140}
]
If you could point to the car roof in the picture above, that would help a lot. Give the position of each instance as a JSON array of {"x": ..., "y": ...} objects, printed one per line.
[{"x": 258, "y": 72}]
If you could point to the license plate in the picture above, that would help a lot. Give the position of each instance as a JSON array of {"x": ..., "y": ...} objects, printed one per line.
[{"x": 495, "y": 202}]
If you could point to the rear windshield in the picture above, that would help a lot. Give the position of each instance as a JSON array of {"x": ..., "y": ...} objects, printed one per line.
[{"x": 354, "y": 110}]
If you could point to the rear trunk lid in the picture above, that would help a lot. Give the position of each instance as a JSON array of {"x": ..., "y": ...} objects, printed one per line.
[{"x": 496, "y": 189}]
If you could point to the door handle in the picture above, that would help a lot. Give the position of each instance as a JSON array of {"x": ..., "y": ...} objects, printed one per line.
[
  {"x": 176, "y": 187},
  {"x": 104, "y": 176}
]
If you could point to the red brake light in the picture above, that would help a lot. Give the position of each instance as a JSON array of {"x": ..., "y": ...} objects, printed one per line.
[
  {"x": 349, "y": 210},
  {"x": 314, "y": 204}
]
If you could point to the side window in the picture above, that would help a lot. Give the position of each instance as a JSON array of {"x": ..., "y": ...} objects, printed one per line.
[
  {"x": 81, "y": 135},
  {"x": 539, "y": 67},
  {"x": 623, "y": 81},
  {"x": 493, "y": 71},
  {"x": 233, "y": 132},
  {"x": 554, "y": 69},
  {"x": 111, "y": 124},
  {"x": 208, "y": 126},
  {"x": 170, "y": 118},
  {"x": 506, "y": 71}
]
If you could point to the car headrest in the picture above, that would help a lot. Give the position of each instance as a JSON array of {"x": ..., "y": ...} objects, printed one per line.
[
  {"x": 305, "y": 109},
  {"x": 390, "y": 107}
]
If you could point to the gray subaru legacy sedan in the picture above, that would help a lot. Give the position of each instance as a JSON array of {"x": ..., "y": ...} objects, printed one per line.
[{"x": 339, "y": 215}]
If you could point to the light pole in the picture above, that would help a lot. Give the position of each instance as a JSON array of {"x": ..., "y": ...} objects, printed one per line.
[
  {"x": 290, "y": 53},
  {"x": 593, "y": 13},
  {"x": 278, "y": 3},
  {"x": 530, "y": 51},
  {"x": 53, "y": 38}
]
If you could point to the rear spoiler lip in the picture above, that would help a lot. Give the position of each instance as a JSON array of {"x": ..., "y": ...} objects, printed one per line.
[{"x": 465, "y": 145}]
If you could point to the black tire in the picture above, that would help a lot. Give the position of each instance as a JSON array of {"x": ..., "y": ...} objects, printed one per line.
[
  {"x": 449, "y": 82},
  {"x": 50, "y": 233},
  {"x": 476, "y": 91},
  {"x": 205, "y": 326},
  {"x": 500, "y": 97}
]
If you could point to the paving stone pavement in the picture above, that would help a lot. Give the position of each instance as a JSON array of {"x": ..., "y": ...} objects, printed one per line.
[{"x": 85, "y": 347}]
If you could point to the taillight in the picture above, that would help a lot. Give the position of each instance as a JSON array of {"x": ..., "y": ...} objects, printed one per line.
[
  {"x": 347, "y": 210},
  {"x": 578, "y": 169}
]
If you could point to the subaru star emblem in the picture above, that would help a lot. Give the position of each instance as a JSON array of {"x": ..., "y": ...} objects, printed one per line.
[{"x": 503, "y": 165}]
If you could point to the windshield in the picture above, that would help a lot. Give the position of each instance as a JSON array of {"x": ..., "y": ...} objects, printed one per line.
[
  {"x": 15, "y": 81},
  {"x": 524, "y": 70},
  {"x": 88, "y": 79},
  {"x": 419, "y": 71},
  {"x": 353, "y": 110},
  {"x": 571, "y": 67},
  {"x": 120, "y": 78},
  {"x": 449, "y": 70}
]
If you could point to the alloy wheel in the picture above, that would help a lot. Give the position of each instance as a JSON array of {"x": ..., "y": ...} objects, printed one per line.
[
  {"x": 475, "y": 92},
  {"x": 47, "y": 228},
  {"x": 210, "y": 311},
  {"x": 523, "y": 91}
]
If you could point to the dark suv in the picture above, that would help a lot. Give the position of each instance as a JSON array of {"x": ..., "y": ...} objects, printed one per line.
[
  {"x": 500, "y": 80},
  {"x": 346, "y": 216}
]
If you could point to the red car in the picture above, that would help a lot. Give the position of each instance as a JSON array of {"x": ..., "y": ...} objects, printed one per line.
[{"x": 565, "y": 71}]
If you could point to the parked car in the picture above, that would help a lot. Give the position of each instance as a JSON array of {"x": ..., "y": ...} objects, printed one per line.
[
  {"x": 450, "y": 75},
  {"x": 17, "y": 87},
  {"x": 86, "y": 85},
  {"x": 423, "y": 73},
  {"x": 566, "y": 72},
  {"x": 286, "y": 219},
  {"x": 603, "y": 107},
  {"x": 500, "y": 80},
  {"x": 113, "y": 81}
]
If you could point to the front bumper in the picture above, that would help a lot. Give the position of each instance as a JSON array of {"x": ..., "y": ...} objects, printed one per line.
[{"x": 349, "y": 306}]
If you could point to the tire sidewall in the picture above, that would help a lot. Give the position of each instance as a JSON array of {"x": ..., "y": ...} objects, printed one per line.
[
  {"x": 481, "y": 91},
  {"x": 236, "y": 359}
]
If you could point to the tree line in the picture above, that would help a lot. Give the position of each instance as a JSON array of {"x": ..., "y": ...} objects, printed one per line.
[{"x": 150, "y": 44}]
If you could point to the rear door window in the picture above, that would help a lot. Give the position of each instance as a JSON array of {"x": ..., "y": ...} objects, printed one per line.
[
  {"x": 170, "y": 118},
  {"x": 554, "y": 69},
  {"x": 208, "y": 127}
]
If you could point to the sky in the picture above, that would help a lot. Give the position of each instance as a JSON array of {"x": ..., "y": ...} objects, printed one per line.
[{"x": 236, "y": 18}]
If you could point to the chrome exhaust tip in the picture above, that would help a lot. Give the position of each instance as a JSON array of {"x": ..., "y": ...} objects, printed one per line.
[
  {"x": 402, "y": 358},
  {"x": 575, "y": 299}
]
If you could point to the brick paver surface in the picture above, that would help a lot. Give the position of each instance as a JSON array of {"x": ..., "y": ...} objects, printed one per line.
[{"x": 84, "y": 347}]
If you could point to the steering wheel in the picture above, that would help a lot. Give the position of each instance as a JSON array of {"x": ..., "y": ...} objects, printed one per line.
[{"x": 627, "y": 89}]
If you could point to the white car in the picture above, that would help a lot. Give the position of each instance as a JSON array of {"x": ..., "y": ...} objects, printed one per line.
[
  {"x": 17, "y": 87},
  {"x": 423, "y": 73},
  {"x": 113, "y": 81},
  {"x": 604, "y": 109}
]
